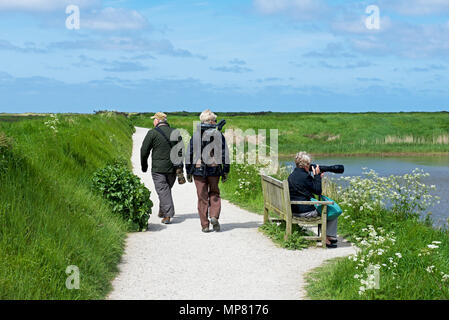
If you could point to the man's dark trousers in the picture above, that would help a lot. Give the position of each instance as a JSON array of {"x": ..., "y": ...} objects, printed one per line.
[{"x": 163, "y": 182}]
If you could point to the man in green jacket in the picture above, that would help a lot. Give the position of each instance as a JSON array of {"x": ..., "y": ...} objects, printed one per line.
[{"x": 163, "y": 170}]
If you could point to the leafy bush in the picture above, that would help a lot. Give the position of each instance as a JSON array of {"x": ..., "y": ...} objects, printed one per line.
[{"x": 126, "y": 194}]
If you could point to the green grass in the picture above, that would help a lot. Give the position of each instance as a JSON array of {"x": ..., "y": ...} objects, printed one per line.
[
  {"x": 49, "y": 216},
  {"x": 335, "y": 279},
  {"x": 276, "y": 232},
  {"x": 336, "y": 133},
  {"x": 408, "y": 280},
  {"x": 243, "y": 188}
]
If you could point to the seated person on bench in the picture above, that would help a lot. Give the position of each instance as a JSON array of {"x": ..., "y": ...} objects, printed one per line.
[{"x": 302, "y": 186}]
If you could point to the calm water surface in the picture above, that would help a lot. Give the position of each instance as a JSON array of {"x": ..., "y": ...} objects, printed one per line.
[{"x": 437, "y": 167}]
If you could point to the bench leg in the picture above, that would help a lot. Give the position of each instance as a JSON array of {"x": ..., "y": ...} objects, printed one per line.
[
  {"x": 265, "y": 215},
  {"x": 288, "y": 226},
  {"x": 324, "y": 227}
]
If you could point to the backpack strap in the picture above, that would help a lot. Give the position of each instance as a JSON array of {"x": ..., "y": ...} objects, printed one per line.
[
  {"x": 164, "y": 135},
  {"x": 169, "y": 143}
]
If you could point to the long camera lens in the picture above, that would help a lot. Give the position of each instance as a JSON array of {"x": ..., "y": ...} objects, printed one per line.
[{"x": 338, "y": 168}]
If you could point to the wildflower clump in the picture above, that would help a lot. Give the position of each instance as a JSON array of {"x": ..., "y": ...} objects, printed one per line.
[
  {"x": 53, "y": 123},
  {"x": 370, "y": 194},
  {"x": 248, "y": 180},
  {"x": 376, "y": 253}
]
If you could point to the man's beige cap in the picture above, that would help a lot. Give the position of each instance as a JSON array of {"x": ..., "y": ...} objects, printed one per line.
[{"x": 160, "y": 116}]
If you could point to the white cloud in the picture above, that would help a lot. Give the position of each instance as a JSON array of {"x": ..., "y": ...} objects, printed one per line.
[
  {"x": 44, "y": 5},
  {"x": 356, "y": 25},
  {"x": 418, "y": 7},
  {"x": 405, "y": 40},
  {"x": 111, "y": 19},
  {"x": 92, "y": 15},
  {"x": 300, "y": 9}
]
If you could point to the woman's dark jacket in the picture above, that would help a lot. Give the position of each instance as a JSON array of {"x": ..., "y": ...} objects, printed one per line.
[
  {"x": 195, "y": 151},
  {"x": 302, "y": 187}
]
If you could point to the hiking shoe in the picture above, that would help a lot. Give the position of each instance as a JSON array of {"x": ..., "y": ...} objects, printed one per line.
[
  {"x": 215, "y": 224},
  {"x": 332, "y": 245},
  {"x": 205, "y": 230},
  {"x": 166, "y": 220}
]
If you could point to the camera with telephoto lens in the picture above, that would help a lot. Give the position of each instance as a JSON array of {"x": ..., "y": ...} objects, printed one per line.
[{"x": 335, "y": 169}]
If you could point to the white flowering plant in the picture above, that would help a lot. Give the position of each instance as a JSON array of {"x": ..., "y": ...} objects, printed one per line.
[
  {"x": 248, "y": 180},
  {"x": 53, "y": 123},
  {"x": 399, "y": 256},
  {"x": 376, "y": 255},
  {"x": 370, "y": 195},
  {"x": 386, "y": 266}
]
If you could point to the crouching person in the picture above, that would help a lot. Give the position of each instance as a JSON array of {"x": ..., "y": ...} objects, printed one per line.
[{"x": 207, "y": 159}]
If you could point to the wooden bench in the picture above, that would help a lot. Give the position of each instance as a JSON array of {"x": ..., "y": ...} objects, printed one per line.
[{"x": 276, "y": 196}]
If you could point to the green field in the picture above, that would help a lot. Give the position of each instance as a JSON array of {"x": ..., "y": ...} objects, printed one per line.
[
  {"x": 337, "y": 133},
  {"x": 49, "y": 216}
]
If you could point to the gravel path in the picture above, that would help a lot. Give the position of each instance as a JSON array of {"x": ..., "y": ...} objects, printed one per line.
[{"x": 178, "y": 261}]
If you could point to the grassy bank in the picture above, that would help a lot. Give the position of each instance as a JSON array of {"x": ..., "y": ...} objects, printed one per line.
[
  {"x": 49, "y": 217},
  {"x": 337, "y": 133},
  {"x": 401, "y": 256}
]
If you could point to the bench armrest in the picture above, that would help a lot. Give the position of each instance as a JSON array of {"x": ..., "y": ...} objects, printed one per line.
[{"x": 312, "y": 202}]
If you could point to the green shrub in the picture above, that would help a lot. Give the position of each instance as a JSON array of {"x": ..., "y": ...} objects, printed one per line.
[{"x": 126, "y": 194}]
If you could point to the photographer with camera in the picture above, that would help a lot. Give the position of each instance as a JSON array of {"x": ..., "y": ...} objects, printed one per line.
[
  {"x": 207, "y": 159},
  {"x": 303, "y": 186}
]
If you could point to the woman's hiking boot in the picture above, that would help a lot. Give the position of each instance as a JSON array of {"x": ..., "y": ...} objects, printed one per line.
[
  {"x": 166, "y": 220},
  {"x": 215, "y": 224}
]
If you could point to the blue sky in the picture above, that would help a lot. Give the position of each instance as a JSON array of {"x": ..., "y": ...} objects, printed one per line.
[{"x": 246, "y": 55}]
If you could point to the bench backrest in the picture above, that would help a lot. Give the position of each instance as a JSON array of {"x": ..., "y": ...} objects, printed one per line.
[{"x": 276, "y": 195}]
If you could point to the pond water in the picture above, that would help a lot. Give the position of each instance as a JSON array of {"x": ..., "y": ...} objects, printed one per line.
[{"x": 437, "y": 167}]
